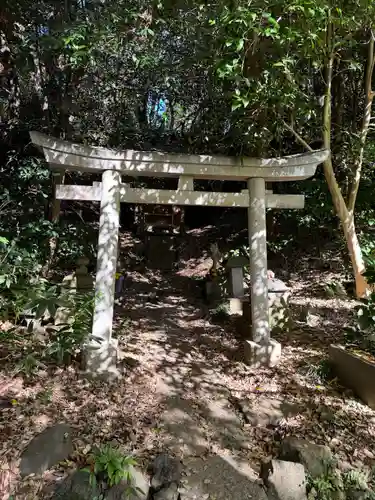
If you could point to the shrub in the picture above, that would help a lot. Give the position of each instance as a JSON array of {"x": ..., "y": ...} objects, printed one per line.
[{"x": 107, "y": 464}]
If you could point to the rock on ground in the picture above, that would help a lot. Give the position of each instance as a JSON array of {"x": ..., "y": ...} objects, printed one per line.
[
  {"x": 140, "y": 485},
  {"x": 220, "y": 478},
  {"x": 76, "y": 487},
  {"x": 317, "y": 459},
  {"x": 284, "y": 480},
  {"x": 46, "y": 450},
  {"x": 165, "y": 470},
  {"x": 168, "y": 493}
]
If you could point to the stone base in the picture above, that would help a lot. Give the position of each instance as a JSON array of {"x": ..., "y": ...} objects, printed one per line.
[
  {"x": 257, "y": 355},
  {"x": 235, "y": 306},
  {"x": 100, "y": 361},
  {"x": 279, "y": 317}
]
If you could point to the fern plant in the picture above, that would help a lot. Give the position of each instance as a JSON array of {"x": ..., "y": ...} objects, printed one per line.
[{"x": 107, "y": 464}]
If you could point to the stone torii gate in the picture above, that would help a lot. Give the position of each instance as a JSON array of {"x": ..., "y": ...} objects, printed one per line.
[{"x": 101, "y": 351}]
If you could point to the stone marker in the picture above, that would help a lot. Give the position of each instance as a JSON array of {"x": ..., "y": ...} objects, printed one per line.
[
  {"x": 284, "y": 480},
  {"x": 84, "y": 280},
  {"x": 317, "y": 459},
  {"x": 46, "y": 450},
  {"x": 77, "y": 282},
  {"x": 235, "y": 266},
  {"x": 278, "y": 304}
]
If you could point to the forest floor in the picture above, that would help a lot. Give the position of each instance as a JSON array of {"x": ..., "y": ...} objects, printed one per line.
[{"x": 186, "y": 389}]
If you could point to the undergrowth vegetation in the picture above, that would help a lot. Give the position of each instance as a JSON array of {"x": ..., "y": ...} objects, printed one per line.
[
  {"x": 107, "y": 464},
  {"x": 32, "y": 348},
  {"x": 352, "y": 484}
]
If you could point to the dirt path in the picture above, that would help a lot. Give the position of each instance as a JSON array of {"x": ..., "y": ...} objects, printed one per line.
[
  {"x": 210, "y": 402},
  {"x": 185, "y": 389}
]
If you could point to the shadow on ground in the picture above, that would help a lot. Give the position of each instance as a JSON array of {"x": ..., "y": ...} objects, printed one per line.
[{"x": 185, "y": 388}]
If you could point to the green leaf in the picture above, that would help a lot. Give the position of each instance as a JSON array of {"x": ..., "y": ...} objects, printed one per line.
[
  {"x": 240, "y": 44},
  {"x": 92, "y": 480},
  {"x": 245, "y": 102},
  {"x": 236, "y": 105},
  {"x": 111, "y": 469}
]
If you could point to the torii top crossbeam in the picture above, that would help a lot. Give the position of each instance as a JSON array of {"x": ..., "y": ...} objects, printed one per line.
[
  {"x": 63, "y": 155},
  {"x": 68, "y": 156}
]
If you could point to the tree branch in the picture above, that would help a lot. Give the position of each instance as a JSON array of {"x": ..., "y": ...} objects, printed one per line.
[
  {"x": 369, "y": 97},
  {"x": 297, "y": 136}
]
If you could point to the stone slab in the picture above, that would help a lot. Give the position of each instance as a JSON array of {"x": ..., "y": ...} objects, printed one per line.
[
  {"x": 257, "y": 355},
  {"x": 46, "y": 450},
  {"x": 170, "y": 492},
  {"x": 183, "y": 433},
  {"x": 220, "y": 478},
  {"x": 225, "y": 425},
  {"x": 355, "y": 372}
]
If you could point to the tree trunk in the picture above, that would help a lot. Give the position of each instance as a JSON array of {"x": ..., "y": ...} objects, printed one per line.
[
  {"x": 346, "y": 218},
  {"x": 357, "y": 169},
  {"x": 54, "y": 217}
]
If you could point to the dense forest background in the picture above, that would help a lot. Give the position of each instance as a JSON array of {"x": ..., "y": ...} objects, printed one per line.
[
  {"x": 261, "y": 78},
  {"x": 195, "y": 77}
]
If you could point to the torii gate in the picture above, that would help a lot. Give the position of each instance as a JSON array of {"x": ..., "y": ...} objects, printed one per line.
[{"x": 101, "y": 352}]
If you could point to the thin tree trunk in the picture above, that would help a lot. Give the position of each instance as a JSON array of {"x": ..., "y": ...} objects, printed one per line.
[
  {"x": 54, "y": 217},
  {"x": 369, "y": 97},
  {"x": 346, "y": 218}
]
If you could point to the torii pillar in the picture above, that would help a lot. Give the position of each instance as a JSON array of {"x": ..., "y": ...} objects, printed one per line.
[
  {"x": 101, "y": 351},
  {"x": 261, "y": 350}
]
